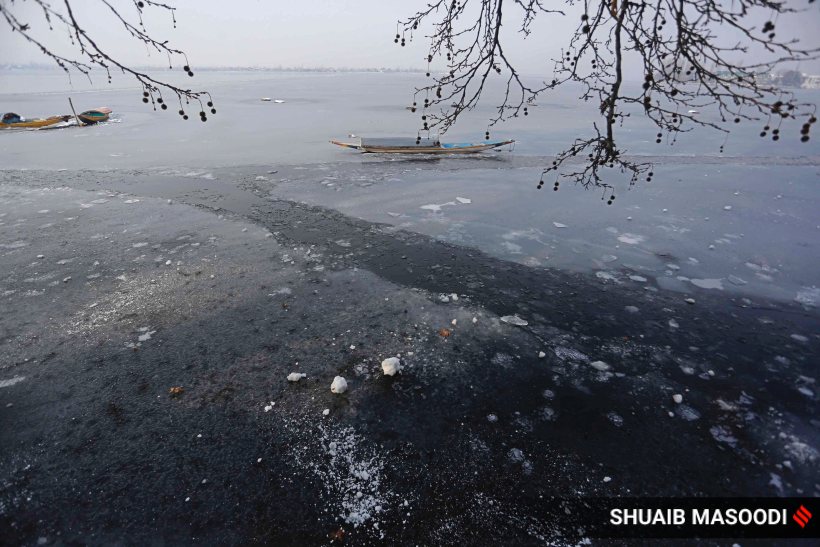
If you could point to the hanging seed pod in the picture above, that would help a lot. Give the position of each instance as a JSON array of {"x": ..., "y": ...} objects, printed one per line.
[
  {"x": 164, "y": 106},
  {"x": 213, "y": 111},
  {"x": 145, "y": 99}
]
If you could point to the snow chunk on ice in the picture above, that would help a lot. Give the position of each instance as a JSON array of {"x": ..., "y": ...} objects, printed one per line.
[
  {"x": 339, "y": 385},
  {"x": 514, "y": 320},
  {"x": 391, "y": 366},
  {"x": 600, "y": 365},
  {"x": 541, "y": 354},
  {"x": 464, "y": 200},
  {"x": 559, "y": 225},
  {"x": 638, "y": 278},
  {"x": 678, "y": 398},
  {"x": 296, "y": 376}
]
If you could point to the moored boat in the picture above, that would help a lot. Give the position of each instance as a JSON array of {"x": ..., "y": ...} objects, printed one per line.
[
  {"x": 95, "y": 115},
  {"x": 11, "y": 120},
  {"x": 402, "y": 145}
]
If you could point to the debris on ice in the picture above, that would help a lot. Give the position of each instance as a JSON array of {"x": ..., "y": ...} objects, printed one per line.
[
  {"x": 339, "y": 385},
  {"x": 391, "y": 366}
]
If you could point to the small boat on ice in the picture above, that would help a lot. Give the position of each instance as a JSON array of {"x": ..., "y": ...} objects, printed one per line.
[
  {"x": 95, "y": 115},
  {"x": 11, "y": 120},
  {"x": 409, "y": 145}
]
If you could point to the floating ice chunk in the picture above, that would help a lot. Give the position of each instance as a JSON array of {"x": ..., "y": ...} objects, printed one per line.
[
  {"x": 727, "y": 207},
  {"x": 799, "y": 338},
  {"x": 391, "y": 366},
  {"x": 11, "y": 381},
  {"x": 339, "y": 385},
  {"x": 600, "y": 365},
  {"x": 443, "y": 298},
  {"x": 514, "y": 320},
  {"x": 631, "y": 309},
  {"x": 607, "y": 479},
  {"x": 678, "y": 398},
  {"x": 631, "y": 239},
  {"x": 723, "y": 435},
  {"x": 805, "y": 391},
  {"x": 269, "y": 407},
  {"x": 736, "y": 280},
  {"x": 707, "y": 283},
  {"x": 436, "y": 207},
  {"x": 609, "y": 258},
  {"x": 606, "y": 276},
  {"x": 464, "y": 200},
  {"x": 616, "y": 419},
  {"x": 638, "y": 278},
  {"x": 454, "y": 297},
  {"x": 687, "y": 413},
  {"x": 475, "y": 320},
  {"x": 541, "y": 354},
  {"x": 674, "y": 324},
  {"x": 326, "y": 412},
  {"x": 689, "y": 300},
  {"x": 492, "y": 418},
  {"x": 261, "y": 177},
  {"x": 146, "y": 336},
  {"x": 559, "y": 225},
  {"x": 515, "y": 455},
  {"x": 296, "y": 376}
]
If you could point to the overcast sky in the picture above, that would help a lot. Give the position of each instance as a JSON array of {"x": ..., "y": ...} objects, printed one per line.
[{"x": 310, "y": 33}]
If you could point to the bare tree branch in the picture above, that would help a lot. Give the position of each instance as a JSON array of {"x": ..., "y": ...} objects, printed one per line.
[
  {"x": 90, "y": 54},
  {"x": 681, "y": 45}
]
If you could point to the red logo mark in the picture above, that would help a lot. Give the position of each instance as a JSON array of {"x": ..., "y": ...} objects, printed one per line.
[{"x": 802, "y": 516}]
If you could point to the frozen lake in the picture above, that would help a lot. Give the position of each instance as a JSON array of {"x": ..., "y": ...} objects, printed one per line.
[{"x": 745, "y": 221}]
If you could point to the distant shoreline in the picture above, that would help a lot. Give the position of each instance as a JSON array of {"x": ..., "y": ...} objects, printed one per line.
[{"x": 50, "y": 68}]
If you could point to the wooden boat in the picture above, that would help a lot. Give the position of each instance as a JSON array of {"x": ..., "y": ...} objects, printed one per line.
[
  {"x": 13, "y": 121},
  {"x": 419, "y": 146},
  {"x": 95, "y": 115}
]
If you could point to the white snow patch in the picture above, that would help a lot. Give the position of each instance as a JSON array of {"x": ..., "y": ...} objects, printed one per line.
[{"x": 296, "y": 376}]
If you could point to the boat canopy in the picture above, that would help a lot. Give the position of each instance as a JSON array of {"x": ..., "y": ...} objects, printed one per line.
[
  {"x": 399, "y": 142},
  {"x": 11, "y": 117}
]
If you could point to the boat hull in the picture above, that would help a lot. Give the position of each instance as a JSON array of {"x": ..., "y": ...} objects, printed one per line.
[
  {"x": 443, "y": 149},
  {"x": 34, "y": 124}
]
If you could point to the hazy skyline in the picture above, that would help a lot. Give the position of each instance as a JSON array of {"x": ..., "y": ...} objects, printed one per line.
[{"x": 319, "y": 33}]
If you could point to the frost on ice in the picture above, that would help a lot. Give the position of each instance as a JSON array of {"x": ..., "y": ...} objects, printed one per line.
[
  {"x": 352, "y": 476},
  {"x": 391, "y": 366}
]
